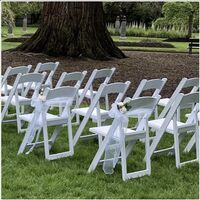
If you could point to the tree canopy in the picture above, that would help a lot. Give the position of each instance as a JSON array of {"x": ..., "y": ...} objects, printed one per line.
[
  {"x": 11, "y": 10},
  {"x": 180, "y": 14},
  {"x": 144, "y": 12}
]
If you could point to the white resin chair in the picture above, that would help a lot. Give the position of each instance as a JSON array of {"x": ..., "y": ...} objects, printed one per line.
[
  {"x": 185, "y": 83},
  {"x": 50, "y": 69},
  {"x": 117, "y": 135},
  {"x": 88, "y": 91},
  {"x": 77, "y": 79},
  {"x": 12, "y": 71},
  {"x": 24, "y": 98},
  {"x": 94, "y": 111},
  {"x": 170, "y": 124},
  {"x": 153, "y": 85},
  {"x": 40, "y": 119}
]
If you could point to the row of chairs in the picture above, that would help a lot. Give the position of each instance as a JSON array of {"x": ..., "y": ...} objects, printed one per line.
[{"x": 115, "y": 141}]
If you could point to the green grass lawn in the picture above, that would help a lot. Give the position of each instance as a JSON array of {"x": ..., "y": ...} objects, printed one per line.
[
  {"x": 31, "y": 176},
  {"x": 179, "y": 46}
]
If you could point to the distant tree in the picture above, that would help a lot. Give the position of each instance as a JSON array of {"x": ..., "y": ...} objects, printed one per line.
[
  {"x": 8, "y": 15},
  {"x": 144, "y": 12},
  {"x": 11, "y": 10},
  {"x": 180, "y": 13},
  {"x": 24, "y": 8}
]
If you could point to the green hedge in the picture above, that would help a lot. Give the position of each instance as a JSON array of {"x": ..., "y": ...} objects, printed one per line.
[{"x": 141, "y": 32}]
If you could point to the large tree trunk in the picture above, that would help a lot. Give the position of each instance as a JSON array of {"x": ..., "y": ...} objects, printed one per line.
[{"x": 73, "y": 29}]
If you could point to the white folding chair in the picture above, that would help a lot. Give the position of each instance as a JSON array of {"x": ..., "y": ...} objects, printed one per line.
[
  {"x": 24, "y": 98},
  {"x": 117, "y": 135},
  {"x": 178, "y": 129},
  {"x": 94, "y": 111},
  {"x": 88, "y": 91},
  {"x": 40, "y": 119},
  {"x": 50, "y": 69},
  {"x": 153, "y": 85},
  {"x": 75, "y": 77},
  {"x": 184, "y": 84},
  {"x": 12, "y": 71}
]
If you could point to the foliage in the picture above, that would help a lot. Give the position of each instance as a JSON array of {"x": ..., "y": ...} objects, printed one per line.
[
  {"x": 141, "y": 31},
  {"x": 10, "y": 10},
  {"x": 177, "y": 14},
  {"x": 7, "y": 14},
  {"x": 144, "y": 12},
  {"x": 24, "y": 8}
]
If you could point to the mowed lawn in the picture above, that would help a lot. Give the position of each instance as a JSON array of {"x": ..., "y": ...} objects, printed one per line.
[
  {"x": 31, "y": 176},
  {"x": 178, "y": 46}
]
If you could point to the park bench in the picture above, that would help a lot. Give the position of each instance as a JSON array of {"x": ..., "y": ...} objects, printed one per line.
[{"x": 194, "y": 44}]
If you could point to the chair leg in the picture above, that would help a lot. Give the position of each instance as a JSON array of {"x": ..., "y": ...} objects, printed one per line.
[
  {"x": 178, "y": 114},
  {"x": 177, "y": 151},
  {"x": 123, "y": 161},
  {"x": 107, "y": 102},
  {"x": 156, "y": 112},
  {"x": 60, "y": 109},
  {"x": 197, "y": 142},
  {"x": 46, "y": 142},
  {"x": 18, "y": 119},
  {"x": 148, "y": 158},
  {"x": 25, "y": 140},
  {"x": 99, "y": 139},
  {"x": 70, "y": 136},
  {"x": 190, "y": 144}
]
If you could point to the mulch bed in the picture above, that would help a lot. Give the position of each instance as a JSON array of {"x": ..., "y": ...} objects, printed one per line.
[{"x": 138, "y": 66}]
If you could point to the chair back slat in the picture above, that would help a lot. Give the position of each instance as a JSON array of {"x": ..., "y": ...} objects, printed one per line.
[
  {"x": 31, "y": 77},
  {"x": 103, "y": 73},
  {"x": 114, "y": 88},
  {"x": 191, "y": 98},
  {"x": 47, "y": 66},
  {"x": 74, "y": 76},
  {"x": 143, "y": 105},
  {"x": 191, "y": 83},
  {"x": 154, "y": 84},
  {"x": 21, "y": 69},
  {"x": 65, "y": 91}
]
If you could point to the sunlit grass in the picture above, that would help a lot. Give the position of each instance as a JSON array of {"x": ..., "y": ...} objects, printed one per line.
[{"x": 31, "y": 176}]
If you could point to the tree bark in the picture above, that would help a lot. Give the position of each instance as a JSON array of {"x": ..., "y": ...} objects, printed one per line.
[{"x": 73, "y": 29}]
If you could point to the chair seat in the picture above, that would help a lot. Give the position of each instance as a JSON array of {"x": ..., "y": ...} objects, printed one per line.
[
  {"x": 88, "y": 93},
  {"x": 22, "y": 100},
  {"x": 163, "y": 102},
  {"x": 9, "y": 87},
  {"x": 103, "y": 130},
  {"x": 83, "y": 112},
  {"x": 157, "y": 123},
  {"x": 51, "y": 119},
  {"x": 19, "y": 87},
  {"x": 198, "y": 115}
]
